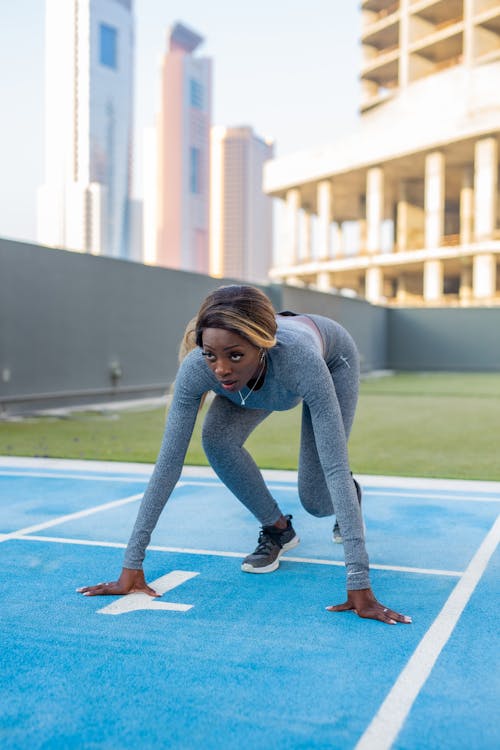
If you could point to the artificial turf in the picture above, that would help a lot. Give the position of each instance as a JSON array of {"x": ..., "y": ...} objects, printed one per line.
[{"x": 408, "y": 424}]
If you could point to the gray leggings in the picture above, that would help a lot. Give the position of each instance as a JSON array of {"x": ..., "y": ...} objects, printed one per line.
[{"x": 227, "y": 426}]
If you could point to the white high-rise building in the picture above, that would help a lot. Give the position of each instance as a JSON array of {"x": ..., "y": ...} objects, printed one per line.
[
  {"x": 84, "y": 203},
  {"x": 241, "y": 224}
]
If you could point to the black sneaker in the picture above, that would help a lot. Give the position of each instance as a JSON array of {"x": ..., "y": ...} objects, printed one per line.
[
  {"x": 336, "y": 535},
  {"x": 272, "y": 543}
]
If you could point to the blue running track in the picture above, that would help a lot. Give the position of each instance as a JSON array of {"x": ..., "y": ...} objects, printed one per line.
[{"x": 229, "y": 660}]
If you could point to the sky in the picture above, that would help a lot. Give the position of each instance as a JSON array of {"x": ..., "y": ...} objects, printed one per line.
[{"x": 288, "y": 68}]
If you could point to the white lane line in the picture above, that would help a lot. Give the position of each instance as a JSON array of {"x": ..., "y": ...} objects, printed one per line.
[
  {"x": 62, "y": 464},
  {"x": 139, "y": 601},
  {"x": 376, "y": 566},
  {"x": 68, "y": 540},
  {"x": 369, "y": 480},
  {"x": 69, "y": 517},
  {"x": 391, "y": 495},
  {"x": 387, "y": 722},
  {"x": 423, "y": 496},
  {"x": 84, "y": 477},
  {"x": 387, "y": 492},
  {"x": 219, "y": 553}
]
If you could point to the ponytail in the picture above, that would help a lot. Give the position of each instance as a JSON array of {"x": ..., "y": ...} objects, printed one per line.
[{"x": 188, "y": 342}]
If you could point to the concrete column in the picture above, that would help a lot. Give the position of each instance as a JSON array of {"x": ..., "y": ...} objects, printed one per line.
[
  {"x": 292, "y": 226},
  {"x": 404, "y": 41},
  {"x": 374, "y": 209},
  {"x": 337, "y": 240},
  {"x": 485, "y": 187},
  {"x": 374, "y": 282},
  {"x": 362, "y": 236},
  {"x": 468, "y": 44},
  {"x": 401, "y": 289},
  {"x": 465, "y": 291},
  {"x": 402, "y": 217},
  {"x": 306, "y": 235},
  {"x": 323, "y": 281},
  {"x": 410, "y": 221},
  {"x": 433, "y": 280},
  {"x": 434, "y": 199},
  {"x": 484, "y": 276},
  {"x": 467, "y": 206},
  {"x": 324, "y": 202}
]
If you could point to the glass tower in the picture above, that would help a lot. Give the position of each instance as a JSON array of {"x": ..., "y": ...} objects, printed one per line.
[{"x": 84, "y": 202}]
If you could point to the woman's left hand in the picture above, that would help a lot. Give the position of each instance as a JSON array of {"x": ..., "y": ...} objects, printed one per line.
[{"x": 364, "y": 603}]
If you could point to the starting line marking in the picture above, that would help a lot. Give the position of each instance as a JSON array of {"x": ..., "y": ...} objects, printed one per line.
[
  {"x": 220, "y": 553},
  {"x": 134, "y": 602}
]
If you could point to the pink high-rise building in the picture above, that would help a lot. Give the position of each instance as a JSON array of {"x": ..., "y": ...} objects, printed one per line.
[{"x": 183, "y": 157}]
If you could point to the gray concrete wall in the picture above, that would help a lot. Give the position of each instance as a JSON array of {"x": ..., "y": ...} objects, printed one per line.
[
  {"x": 65, "y": 318},
  {"x": 453, "y": 339}
]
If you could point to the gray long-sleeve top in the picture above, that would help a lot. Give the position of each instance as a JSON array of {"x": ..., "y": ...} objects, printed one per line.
[{"x": 296, "y": 371}]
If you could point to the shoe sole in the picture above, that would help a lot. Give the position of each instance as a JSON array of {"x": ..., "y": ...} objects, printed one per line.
[
  {"x": 337, "y": 539},
  {"x": 247, "y": 568}
]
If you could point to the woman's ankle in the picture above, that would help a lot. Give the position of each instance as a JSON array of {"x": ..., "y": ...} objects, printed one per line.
[{"x": 281, "y": 523}]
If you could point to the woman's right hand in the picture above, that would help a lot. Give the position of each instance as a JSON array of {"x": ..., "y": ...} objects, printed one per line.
[{"x": 129, "y": 582}]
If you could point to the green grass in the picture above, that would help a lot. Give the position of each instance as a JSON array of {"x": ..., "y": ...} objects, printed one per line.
[{"x": 434, "y": 425}]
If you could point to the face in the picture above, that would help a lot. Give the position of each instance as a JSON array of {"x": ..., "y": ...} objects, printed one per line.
[{"x": 232, "y": 359}]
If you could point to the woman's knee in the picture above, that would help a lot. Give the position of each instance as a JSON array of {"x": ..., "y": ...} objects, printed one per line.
[
  {"x": 318, "y": 512},
  {"x": 319, "y": 508}
]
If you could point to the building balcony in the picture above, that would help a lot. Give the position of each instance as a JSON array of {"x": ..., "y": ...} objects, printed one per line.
[
  {"x": 385, "y": 58},
  {"x": 486, "y": 44},
  {"x": 479, "y": 6},
  {"x": 440, "y": 44},
  {"x": 381, "y": 95},
  {"x": 382, "y": 35},
  {"x": 437, "y": 12},
  {"x": 441, "y": 50},
  {"x": 378, "y": 7},
  {"x": 403, "y": 274},
  {"x": 422, "y": 30},
  {"x": 379, "y": 76},
  {"x": 377, "y": 22}
]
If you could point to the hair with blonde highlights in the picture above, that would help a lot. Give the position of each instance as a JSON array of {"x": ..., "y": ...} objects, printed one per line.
[{"x": 245, "y": 310}]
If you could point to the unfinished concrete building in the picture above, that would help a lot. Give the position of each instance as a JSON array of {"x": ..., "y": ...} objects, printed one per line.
[{"x": 406, "y": 209}]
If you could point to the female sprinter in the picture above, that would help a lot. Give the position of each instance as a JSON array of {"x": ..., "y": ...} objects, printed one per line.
[{"x": 256, "y": 362}]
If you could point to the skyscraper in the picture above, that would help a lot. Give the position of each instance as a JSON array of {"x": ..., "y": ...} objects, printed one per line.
[
  {"x": 183, "y": 157},
  {"x": 84, "y": 202},
  {"x": 241, "y": 214}
]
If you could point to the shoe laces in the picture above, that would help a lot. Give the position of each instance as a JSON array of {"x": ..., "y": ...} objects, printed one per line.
[{"x": 266, "y": 542}]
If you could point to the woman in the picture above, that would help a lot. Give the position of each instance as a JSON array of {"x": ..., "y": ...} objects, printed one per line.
[{"x": 257, "y": 362}]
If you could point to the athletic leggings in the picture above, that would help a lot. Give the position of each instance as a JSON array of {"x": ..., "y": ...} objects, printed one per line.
[{"x": 227, "y": 426}]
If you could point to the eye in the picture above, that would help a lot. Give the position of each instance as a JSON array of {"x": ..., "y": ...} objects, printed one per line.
[
  {"x": 209, "y": 356},
  {"x": 235, "y": 356}
]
